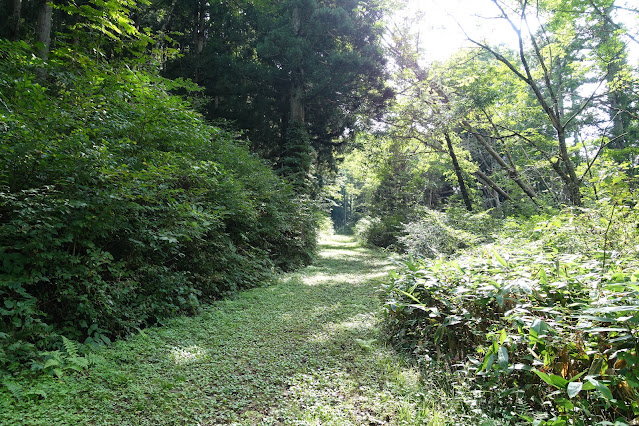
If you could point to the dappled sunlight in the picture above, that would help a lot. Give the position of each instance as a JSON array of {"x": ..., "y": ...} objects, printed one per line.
[
  {"x": 332, "y": 242},
  {"x": 354, "y": 278},
  {"x": 338, "y": 239},
  {"x": 187, "y": 355},
  {"x": 341, "y": 254},
  {"x": 367, "y": 390},
  {"x": 382, "y": 270},
  {"x": 358, "y": 325},
  {"x": 319, "y": 278},
  {"x": 305, "y": 350},
  {"x": 403, "y": 375}
]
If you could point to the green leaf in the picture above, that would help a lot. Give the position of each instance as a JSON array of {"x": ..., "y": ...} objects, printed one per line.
[
  {"x": 533, "y": 337},
  {"x": 565, "y": 404},
  {"x": 503, "y": 336},
  {"x": 410, "y": 295},
  {"x": 456, "y": 266},
  {"x": 552, "y": 379},
  {"x": 559, "y": 381},
  {"x": 543, "y": 376},
  {"x": 574, "y": 388},
  {"x": 527, "y": 418},
  {"x": 596, "y": 366},
  {"x": 502, "y": 357},
  {"x": 603, "y": 389},
  {"x": 539, "y": 326},
  {"x": 489, "y": 360},
  {"x": 605, "y": 329},
  {"x": 52, "y": 363},
  {"x": 611, "y": 309},
  {"x": 521, "y": 367},
  {"x": 543, "y": 278},
  {"x": 575, "y": 378},
  {"x": 501, "y": 260}
]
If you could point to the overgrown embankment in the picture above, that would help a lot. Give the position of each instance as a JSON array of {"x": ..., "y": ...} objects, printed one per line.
[
  {"x": 120, "y": 206},
  {"x": 541, "y": 322},
  {"x": 305, "y": 350}
]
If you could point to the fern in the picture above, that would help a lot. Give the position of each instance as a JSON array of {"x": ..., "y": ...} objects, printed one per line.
[
  {"x": 70, "y": 359},
  {"x": 13, "y": 388},
  {"x": 93, "y": 358},
  {"x": 71, "y": 347},
  {"x": 74, "y": 360},
  {"x": 78, "y": 363},
  {"x": 55, "y": 361}
]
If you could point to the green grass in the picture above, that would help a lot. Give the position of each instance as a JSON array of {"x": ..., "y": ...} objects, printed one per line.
[{"x": 306, "y": 350}]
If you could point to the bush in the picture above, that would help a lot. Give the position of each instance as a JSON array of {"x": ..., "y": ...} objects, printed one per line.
[
  {"x": 541, "y": 334},
  {"x": 326, "y": 227},
  {"x": 606, "y": 230},
  {"x": 378, "y": 232},
  {"x": 430, "y": 233},
  {"x": 120, "y": 206},
  {"x": 437, "y": 233}
]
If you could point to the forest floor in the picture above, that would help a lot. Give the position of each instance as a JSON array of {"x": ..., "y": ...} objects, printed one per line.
[{"x": 306, "y": 350}]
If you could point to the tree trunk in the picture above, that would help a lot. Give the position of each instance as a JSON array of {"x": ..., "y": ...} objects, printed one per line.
[
  {"x": 512, "y": 173},
  {"x": 458, "y": 173},
  {"x": 344, "y": 206},
  {"x": 43, "y": 30},
  {"x": 199, "y": 37},
  {"x": 201, "y": 21},
  {"x": 618, "y": 100},
  {"x": 297, "y": 84},
  {"x": 14, "y": 21},
  {"x": 43, "y": 36},
  {"x": 547, "y": 96},
  {"x": 297, "y": 99},
  {"x": 168, "y": 18},
  {"x": 571, "y": 181},
  {"x": 297, "y": 150}
]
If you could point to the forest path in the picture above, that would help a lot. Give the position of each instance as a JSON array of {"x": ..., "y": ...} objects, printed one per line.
[{"x": 306, "y": 350}]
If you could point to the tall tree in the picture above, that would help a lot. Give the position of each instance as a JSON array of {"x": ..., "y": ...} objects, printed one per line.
[
  {"x": 295, "y": 74},
  {"x": 608, "y": 38},
  {"x": 15, "y": 16},
  {"x": 43, "y": 28},
  {"x": 543, "y": 57},
  {"x": 427, "y": 113}
]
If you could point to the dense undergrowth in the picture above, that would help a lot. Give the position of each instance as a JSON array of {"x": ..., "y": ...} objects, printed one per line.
[
  {"x": 120, "y": 206},
  {"x": 540, "y": 316}
]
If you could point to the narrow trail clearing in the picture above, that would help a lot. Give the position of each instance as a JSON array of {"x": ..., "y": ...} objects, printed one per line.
[{"x": 304, "y": 351}]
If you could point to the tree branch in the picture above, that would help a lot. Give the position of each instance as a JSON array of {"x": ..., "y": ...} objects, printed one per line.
[
  {"x": 488, "y": 181},
  {"x": 540, "y": 58},
  {"x": 599, "y": 151},
  {"x": 583, "y": 106}
]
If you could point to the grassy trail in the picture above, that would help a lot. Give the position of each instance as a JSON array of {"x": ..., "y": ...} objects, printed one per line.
[{"x": 304, "y": 351}]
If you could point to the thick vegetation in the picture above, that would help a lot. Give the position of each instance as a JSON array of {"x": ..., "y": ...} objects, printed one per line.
[
  {"x": 543, "y": 323},
  {"x": 506, "y": 177},
  {"x": 298, "y": 75},
  {"x": 508, "y": 180},
  {"x": 120, "y": 206}
]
